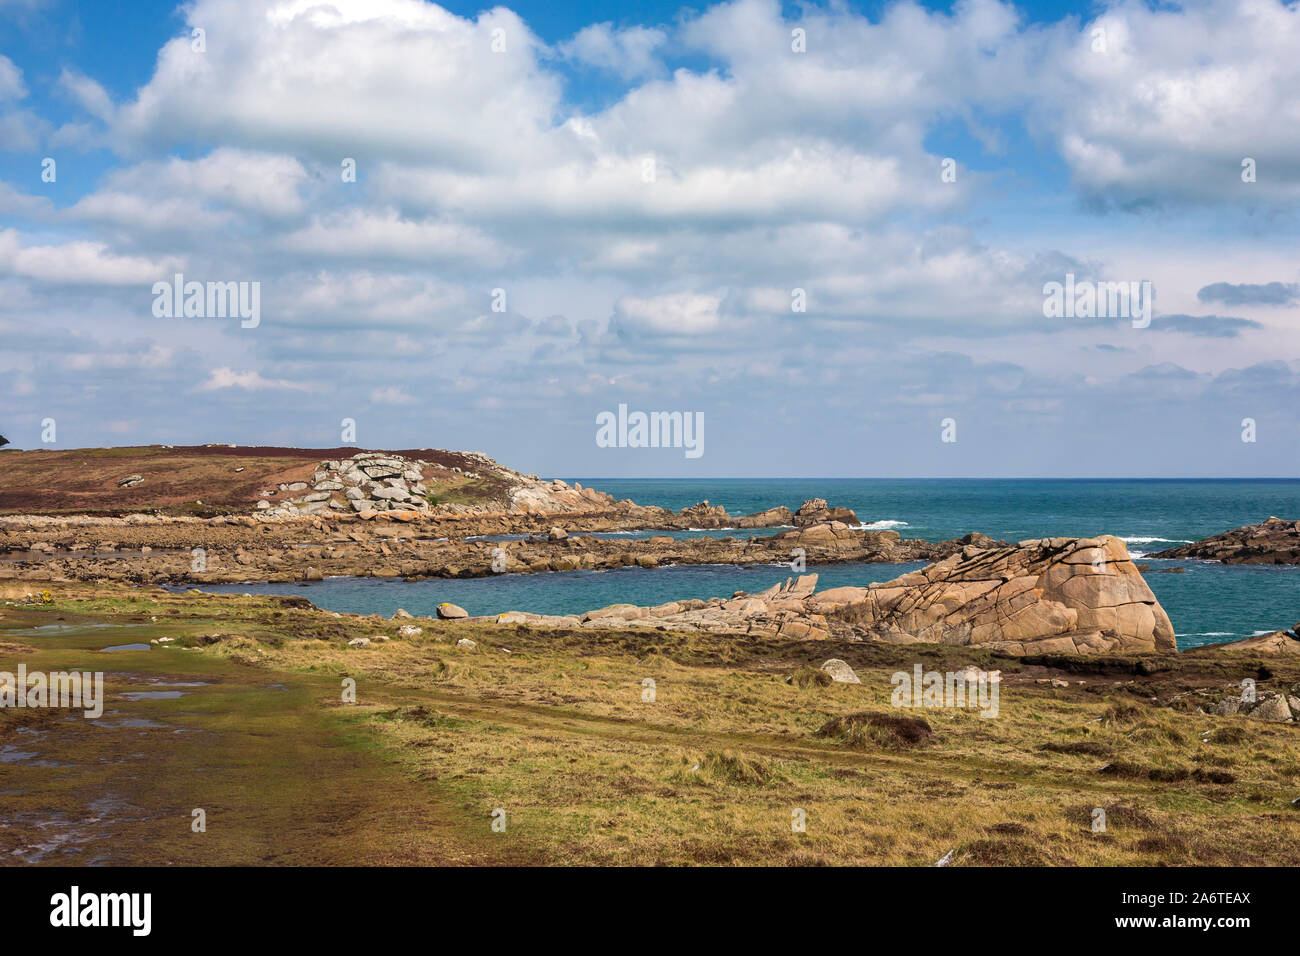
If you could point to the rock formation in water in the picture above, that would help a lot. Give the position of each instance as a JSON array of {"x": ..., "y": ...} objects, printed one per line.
[
  {"x": 1274, "y": 643},
  {"x": 1275, "y": 541}
]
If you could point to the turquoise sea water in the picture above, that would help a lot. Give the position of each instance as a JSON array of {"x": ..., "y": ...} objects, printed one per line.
[{"x": 1208, "y": 603}]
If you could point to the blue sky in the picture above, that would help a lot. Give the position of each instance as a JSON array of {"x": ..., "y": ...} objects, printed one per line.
[{"x": 650, "y": 188}]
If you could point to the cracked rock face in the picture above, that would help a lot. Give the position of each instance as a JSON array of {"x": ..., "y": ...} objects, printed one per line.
[
  {"x": 1058, "y": 595},
  {"x": 1071, "y": 595}
]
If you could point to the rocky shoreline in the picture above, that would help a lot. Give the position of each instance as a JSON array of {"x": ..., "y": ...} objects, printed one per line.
[
  {"x": 385, "y": 514},
  {"x": 226, "y": 550},
  {"x": 380, "y": 514}
]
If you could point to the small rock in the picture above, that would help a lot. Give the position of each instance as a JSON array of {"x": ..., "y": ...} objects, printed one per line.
[
  {"x": 840, "y": 671},
  {"x": 130, "y": 481},
  {"x": 466, "y": 643},
  {"x": 1272, "y": 708},
  {"x": 359, "y": 642},
  {"x": 401, "y": 614},
  {"x": 410, "y": 630},
  {"x": 451, "y": 612},
  {"x": 1228, "y": 706}
]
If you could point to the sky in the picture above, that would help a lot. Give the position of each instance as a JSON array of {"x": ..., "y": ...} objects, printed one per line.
[{"x": 825, "y": 230}]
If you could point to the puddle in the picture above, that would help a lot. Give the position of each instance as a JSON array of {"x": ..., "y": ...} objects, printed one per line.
[
  {"x": 11, "y": 754},
  {"x": 126, "y": 647},
  {"x": 133, "y": 722},
  {"x": 192, "y": 683},
  {"x": 153, "y": 694},
  {"x": 60, "y": 832},
  {"x": 40, "y": 629}
]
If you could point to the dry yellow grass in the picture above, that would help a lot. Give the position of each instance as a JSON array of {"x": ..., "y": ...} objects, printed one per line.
[{"x": 554, "y": 729}]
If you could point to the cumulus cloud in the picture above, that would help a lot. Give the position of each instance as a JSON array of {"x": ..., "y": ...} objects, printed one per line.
[
  {"x": 655, "y": 244},
  {"x": 631, "y": 52},
  {"x": 78, "y": 262}
]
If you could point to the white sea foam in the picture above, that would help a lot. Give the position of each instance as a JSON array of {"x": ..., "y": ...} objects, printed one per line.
[
  {"x": 879, "y": 525},
  {"x": 1142, "y": 540}
]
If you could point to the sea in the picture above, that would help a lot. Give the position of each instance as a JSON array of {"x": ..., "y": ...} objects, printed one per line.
[{"x": 1208, "y": 603}]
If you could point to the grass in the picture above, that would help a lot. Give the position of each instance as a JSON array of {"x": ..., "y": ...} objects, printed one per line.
[{"x": 553, "y": 728}]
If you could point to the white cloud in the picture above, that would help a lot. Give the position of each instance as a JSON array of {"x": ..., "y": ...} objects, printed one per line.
[
  {"x": 630, "y": 52},
  {"x": 681, "y": 313},
  {"x": 11, "y": 80},
  {"x": 391, "y": 395},
  {"x": 358, "y": 233},
  {"x": 1177, "y": 99},
  {"x": 249, "y": 381},
  {"x": 352, "y": 78},
  {"x": 78, "y": 263}
]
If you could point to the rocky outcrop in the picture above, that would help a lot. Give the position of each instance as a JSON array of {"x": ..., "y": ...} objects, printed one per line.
[
  {"x": 1070, "y": 595},
  {"x": 401, "y": 542},
  {"x": 1274, "y": 643},
  {"x": 1054, "y": 595},
  {"x": 1275, "y": 541},
  {"x": 816, "y": 511},
  {"x": 367, "y": 482},
  {"x": 532, "y": 495}
]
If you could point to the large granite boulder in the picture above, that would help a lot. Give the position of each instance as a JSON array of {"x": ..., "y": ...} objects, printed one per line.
[
  {"x": 1070, "y": 595},
  {"x": 705, "y": 515},
  {"x": 1057, "y": 595}
]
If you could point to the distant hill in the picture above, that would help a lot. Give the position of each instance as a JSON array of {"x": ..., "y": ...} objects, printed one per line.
[{"x": 226, "y": 479}]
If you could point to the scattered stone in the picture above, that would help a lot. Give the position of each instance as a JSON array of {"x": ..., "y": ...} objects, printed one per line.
[
  {"x": 1271, "y": 708},
  {"x": 451, "y": 612},
  {"x": 840, "y": 671},
  {"x": 466, "y": 643}
]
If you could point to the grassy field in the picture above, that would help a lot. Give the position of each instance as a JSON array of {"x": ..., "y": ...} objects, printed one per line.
[{"x": 553, "y": 731}]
